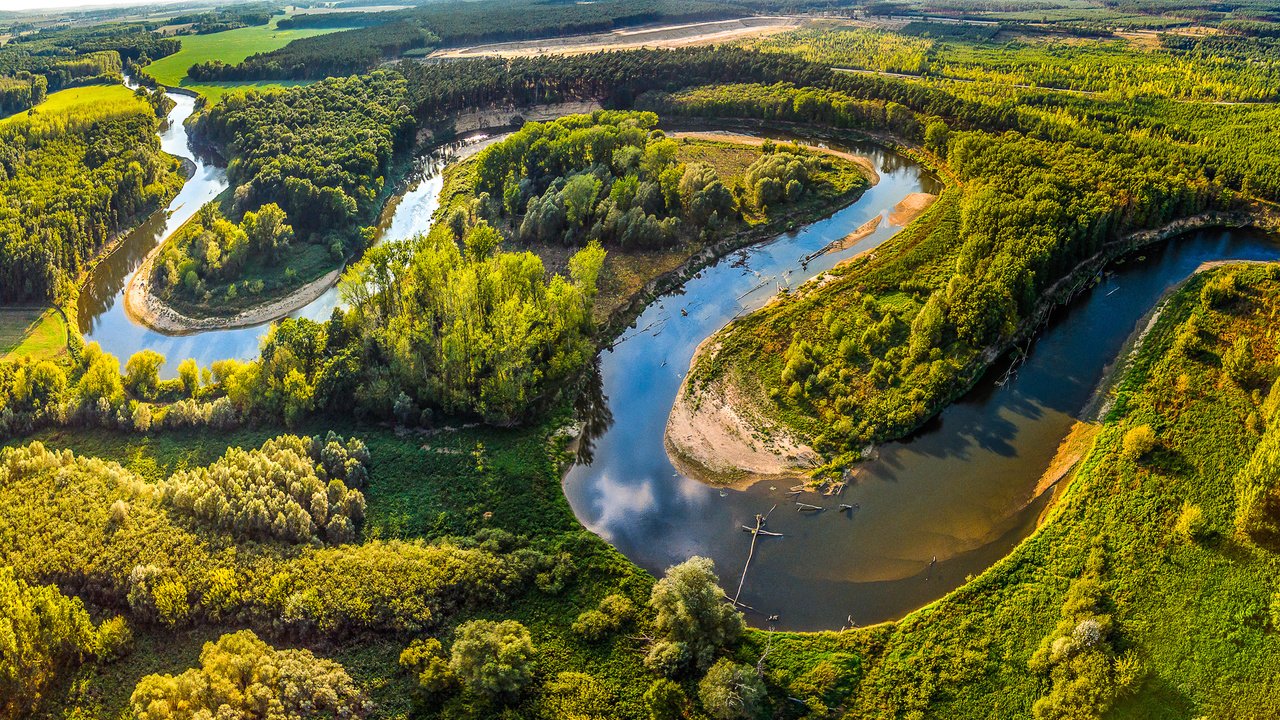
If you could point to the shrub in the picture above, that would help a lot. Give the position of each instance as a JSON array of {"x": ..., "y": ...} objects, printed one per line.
[
  {"x": 613, "y": 612},
  {"x": 1191, "y": 525},
  {"x": 1138, "y": 442},
  {"x": 665, "y": 700},
  {"x": 114, "y": 639},
  {"x": 493, "y": 659},
  {"x": 241, "y": 676},
  {"x": 427, "y": 661},
  {"x": 731, "y": 691}
]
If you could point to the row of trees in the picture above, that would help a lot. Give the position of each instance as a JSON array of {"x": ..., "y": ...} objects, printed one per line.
[{"x": 69, "y": 182}]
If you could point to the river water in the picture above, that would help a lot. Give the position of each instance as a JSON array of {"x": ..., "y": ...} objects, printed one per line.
[
  {"x": 945, "y": 503},
  {"x": 102, "y": 315}
]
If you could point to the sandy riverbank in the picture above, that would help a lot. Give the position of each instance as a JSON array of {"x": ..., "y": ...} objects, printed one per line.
[
  {"x": 712, "y": 437},
  {"x": 142, "y": 305},
  {"x": 653, "y": 36}
]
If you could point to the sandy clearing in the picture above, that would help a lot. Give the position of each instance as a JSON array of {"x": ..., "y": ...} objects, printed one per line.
[
  {"x": 661, "y": 36},
  {"x": 716, "y": 442},
  {"x": 743, "y": 139},
  {"x": 910, "y": 208}
]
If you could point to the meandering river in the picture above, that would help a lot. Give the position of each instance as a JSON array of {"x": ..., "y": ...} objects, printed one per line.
[
  {"x": 930, "y": 510},
  {"x": 102, "y": 315}
]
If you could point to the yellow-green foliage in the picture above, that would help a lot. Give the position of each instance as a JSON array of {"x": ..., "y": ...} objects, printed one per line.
[
  {"x": 242, "y": 676},
  {"x": 84, "y": 165},
  {"x": 279, "y": 492},
  {"x": 851, "y": 47},
  {"x": 41, "y": 631},
  {"x": 100, "y": 530}
]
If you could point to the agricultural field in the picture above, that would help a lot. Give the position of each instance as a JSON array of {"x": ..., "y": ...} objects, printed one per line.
[{"x": 231, "y": 46}]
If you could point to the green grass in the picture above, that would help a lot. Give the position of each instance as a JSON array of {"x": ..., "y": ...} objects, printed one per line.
[
  {"x": 79, "y": 98},
  {"x": 37, "y": 333},
  {"x": 231, "y": 47}
]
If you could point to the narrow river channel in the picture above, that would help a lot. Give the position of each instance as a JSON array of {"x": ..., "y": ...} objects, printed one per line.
[
  {"x": 102, "y": 315},
  {"x": 944, "y": 504}
]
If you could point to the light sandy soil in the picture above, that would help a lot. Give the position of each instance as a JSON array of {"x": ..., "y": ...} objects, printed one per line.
[
  {"x": 144, "y": 307},
  {"x": 715, "y": 440},
  {"x": 659, "y": 36},
  {"x": 500, "y": 116},
  {"x": 910, "y": 208},
  {"x": 853, "y": 238},
  {"x": 1070, "y": 452},
  {"x": 742, "y": 139}
]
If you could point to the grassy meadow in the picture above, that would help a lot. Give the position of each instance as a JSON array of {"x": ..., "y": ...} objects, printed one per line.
[
  {"x": 231, "y": 47},
  {"x": 100, "y": 98},
  {"x": 32, "y": 332}
]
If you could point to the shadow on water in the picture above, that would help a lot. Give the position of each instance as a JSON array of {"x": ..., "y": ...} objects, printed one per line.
[{"x": 945, "y": 503}]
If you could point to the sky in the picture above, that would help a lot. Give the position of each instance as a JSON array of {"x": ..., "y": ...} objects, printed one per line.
[{"x": 60, "y": 4}]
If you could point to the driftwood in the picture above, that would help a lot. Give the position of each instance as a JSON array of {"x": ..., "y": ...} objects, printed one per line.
[
  {"x": 806, "y": 507},
  {"x": 755, "y": 535}
]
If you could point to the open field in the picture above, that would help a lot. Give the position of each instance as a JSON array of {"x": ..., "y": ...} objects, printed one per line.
[
  {"x": 659, "y": 36},
  {"x": 74, "y": 98},
  {"x": 34, "y": 332},
  {"x": 231, "y": 47}
]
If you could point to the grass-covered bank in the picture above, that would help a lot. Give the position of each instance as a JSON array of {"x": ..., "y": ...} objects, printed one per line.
[{"x": 1186, "y": 603}]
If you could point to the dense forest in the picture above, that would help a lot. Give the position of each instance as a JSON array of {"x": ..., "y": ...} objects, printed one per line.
[
  {"x": 406, "y": 549},
  {"x": 72, "y": 180},
  {"x": 32, "y": 65}
]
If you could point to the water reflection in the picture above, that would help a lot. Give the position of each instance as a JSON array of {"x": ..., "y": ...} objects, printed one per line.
[
  {"x": 101, "y": 311},
  {"x": 945, "y": 503}
]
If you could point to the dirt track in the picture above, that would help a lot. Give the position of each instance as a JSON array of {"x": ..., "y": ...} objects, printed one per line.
[{"x": 654, "y": 36}]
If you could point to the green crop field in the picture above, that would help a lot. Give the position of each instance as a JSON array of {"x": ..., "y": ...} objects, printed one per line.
[
  {"x": 97, "y": 96},
  {"x": 34, "y": 332},
  {"x": 231, "y": 47}
]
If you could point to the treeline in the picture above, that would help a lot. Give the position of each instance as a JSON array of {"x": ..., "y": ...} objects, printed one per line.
[
  {"x": 227, "y": 18},
  {"x": 321, "y": 153},
  {"x": 383, "y": 35},
  {"x": 787, "y": 103},
  {"x": 69, "y": 181},
  {"x": 60, "y": 58},
  {"x": 321, "y": 56},
  {"x": 434, "y": 330}
]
